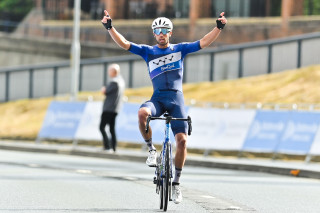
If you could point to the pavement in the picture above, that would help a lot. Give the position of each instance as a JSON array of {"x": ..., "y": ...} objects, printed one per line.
[{"x": 281, "y": 167}]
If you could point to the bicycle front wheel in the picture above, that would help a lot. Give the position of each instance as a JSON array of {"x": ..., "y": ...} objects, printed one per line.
[
  {"x": 160, "y": 184},
  {"x": 161, "y": 195},
  {"x": 166, "y": 179}
]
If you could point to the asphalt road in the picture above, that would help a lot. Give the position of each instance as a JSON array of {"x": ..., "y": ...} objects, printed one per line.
[{"x": 39, "y": 182}]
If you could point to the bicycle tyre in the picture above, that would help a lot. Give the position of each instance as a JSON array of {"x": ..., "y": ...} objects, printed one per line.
[
  {"x": 166, "y": 179},
  {"x": 160, "y": 185},
  {"x": 161, "y": 197}
]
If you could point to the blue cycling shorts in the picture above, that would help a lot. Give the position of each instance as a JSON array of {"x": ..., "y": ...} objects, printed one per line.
[{"x": 171, "y": 101}]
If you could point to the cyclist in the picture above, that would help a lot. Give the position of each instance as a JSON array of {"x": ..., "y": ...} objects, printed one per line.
[{"x": 165, "y": 65}]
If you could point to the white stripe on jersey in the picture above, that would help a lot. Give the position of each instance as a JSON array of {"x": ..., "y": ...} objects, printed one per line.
[{"x": 167, "y": 59}]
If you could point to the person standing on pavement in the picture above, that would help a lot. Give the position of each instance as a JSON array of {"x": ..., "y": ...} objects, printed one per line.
[
  {"x": 165, "y": 66},
  {"x": 114, "y": 94}
]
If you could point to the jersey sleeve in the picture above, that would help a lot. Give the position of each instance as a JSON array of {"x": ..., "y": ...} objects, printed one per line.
[
  {"x": 190, "y": 47},
  {"x": 137, "y": 49}
]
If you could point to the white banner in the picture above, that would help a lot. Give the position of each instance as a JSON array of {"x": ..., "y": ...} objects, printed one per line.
[
  {"x": 315, "y": 148},
  {"x": 219, "y": 129},
  {"x": 89, "y": 124},
  {"x": 213, "y": 129}
]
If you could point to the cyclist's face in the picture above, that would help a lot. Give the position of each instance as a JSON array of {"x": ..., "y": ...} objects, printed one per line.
[{"x": 162, "y": 39}]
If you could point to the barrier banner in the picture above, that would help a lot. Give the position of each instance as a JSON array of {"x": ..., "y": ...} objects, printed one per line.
[
  {"x": 265, "y": 131},
  {"x": 90, "y": 121},
  {"x": 299, "y": 133},
  {"x": 216, "y": 129},
  {"x": 219, "y": 129},
  {"x": 315, "y": 148},
  {"x": 62, "y": 120},
  {"x": 127, "y": 128}
]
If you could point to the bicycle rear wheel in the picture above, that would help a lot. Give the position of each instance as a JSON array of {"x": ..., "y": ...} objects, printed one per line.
[{"x": 166, "y": 180}]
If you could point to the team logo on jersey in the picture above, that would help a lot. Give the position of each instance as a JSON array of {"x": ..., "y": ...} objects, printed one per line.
[
  {"x": 168, "y": 67},
  {"x": 164, "y": 63}
]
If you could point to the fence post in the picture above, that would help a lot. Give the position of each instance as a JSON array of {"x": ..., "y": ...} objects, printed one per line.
[
  {"x": 130, "y": 74},
  {"x": 7, "y": 86},
  {"x": 55, "y": 80},
  {"x": 299, "y": 53},
  {"x": 212, "y": 67},
  {"x": 240, "y": 72},
  {"x": 269, "y": 59},
  {"x": 80, "y": 77},
  {"x": 30, "y": 83}
]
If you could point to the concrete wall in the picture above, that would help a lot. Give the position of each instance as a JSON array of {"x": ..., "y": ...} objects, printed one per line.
[
  {"x": 19, "y": 50},
  {"x": 46, "y": 41}
]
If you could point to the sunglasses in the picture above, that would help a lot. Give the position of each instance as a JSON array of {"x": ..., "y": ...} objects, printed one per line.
[{"x": 164, "y": 31}]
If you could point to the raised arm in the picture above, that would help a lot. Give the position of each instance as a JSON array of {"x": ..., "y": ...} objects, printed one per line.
[
  {"x": 213, "y": 34},
  {"x": 116, "y": 36}
]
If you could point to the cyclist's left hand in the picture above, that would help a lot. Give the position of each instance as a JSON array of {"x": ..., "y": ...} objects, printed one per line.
[
  {"x": 105, "y": 17},
  {"x": 222, "y": 18}
]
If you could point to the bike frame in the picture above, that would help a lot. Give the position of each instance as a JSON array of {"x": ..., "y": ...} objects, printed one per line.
[
  {"x": 166, "y": 143},
  {"x": 162, "y": 161}
]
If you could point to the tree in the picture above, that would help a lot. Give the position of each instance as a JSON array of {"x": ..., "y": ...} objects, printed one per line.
[
  {"x": 15, "y": 10},
  {"x": 312, "y": 7}
]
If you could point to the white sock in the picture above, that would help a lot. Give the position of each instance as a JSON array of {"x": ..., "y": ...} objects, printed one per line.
[
  {"x": 177, "y": 175},
  {"x": 150, "y": 145}
]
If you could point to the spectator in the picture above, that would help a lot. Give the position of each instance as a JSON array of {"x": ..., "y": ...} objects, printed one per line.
[{"x": 111, "y": 106}]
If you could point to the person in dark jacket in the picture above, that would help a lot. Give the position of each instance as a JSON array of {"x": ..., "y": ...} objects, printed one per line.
[{"x": 111, "y": 106}]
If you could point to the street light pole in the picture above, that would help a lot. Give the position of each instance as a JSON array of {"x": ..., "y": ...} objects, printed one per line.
[{"x": 75, "y": 52}]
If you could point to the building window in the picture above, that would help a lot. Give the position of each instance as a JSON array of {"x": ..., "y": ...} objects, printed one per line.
[{"x": 181, "y": 8}]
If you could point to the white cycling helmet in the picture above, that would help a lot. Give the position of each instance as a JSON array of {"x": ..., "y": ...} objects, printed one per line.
[{"x": 162, "y": 22}]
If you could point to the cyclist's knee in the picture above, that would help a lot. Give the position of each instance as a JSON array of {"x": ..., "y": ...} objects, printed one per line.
[
  {"x": 143, "y": 114},
  {"x": 181, "y": 139}
]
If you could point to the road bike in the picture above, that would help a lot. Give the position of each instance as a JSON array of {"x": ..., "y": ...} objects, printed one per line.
[{"x": 163, "y": 172}]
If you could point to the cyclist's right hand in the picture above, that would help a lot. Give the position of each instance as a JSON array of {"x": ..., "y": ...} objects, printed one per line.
[
  {"x": 117, "y": 37},
  {"x": 106, "y": 21},
  {"x": 105, "y": 17}
]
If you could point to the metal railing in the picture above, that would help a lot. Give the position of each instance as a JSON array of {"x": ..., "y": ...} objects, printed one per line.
[
  {"x": 234, "y": 61},
  {"x": 270, "y": 44}
]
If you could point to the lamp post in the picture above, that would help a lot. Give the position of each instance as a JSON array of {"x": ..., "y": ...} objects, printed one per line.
[{"x": 75, "y": 52}]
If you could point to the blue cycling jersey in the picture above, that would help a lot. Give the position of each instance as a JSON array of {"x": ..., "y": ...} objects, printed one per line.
[{"x": 165, "y": 65}]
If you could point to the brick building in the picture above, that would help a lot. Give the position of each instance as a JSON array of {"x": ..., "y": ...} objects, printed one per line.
[
  {"x": 141, "y": 9},
  {"x": 192, "y": 19}
]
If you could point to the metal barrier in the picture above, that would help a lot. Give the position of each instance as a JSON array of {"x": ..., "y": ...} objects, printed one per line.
[{"x": 234, "y": 61}]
